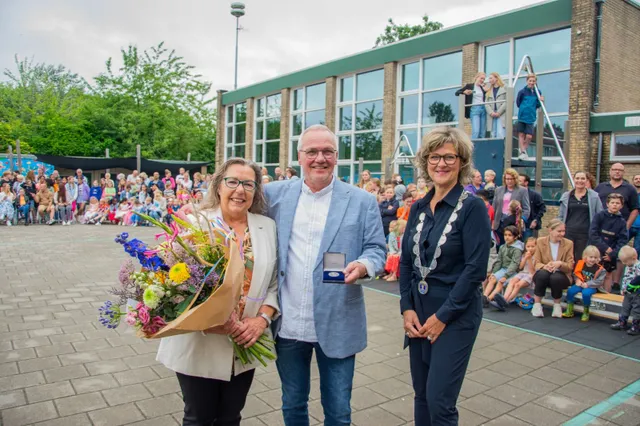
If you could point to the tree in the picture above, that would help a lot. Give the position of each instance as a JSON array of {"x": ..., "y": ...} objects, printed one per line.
[
  {"x": 394, "y": 32},
  {"x": 441, "y": 112}
]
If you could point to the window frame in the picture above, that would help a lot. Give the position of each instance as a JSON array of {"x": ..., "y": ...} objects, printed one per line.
[
  {"x": 612, "y": 150},
  {"x": 263, "y": 142},
  {"x": 293, "y": 159},
  {"x": 231, "y": 144}
]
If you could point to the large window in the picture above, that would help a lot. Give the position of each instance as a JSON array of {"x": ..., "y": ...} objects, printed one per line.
[
  {"x": 267, "y": 132},
  {"x": 359, "y": 124},
  {"x": 427, "y": 98},
  {"x": 235, "y": 138},
  {"x": 625, "y": 146},
  {"x": 307, "y": 109}
]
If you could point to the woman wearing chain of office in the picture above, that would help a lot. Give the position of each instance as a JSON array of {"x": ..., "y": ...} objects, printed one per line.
[{"x": 444, "y": 261}]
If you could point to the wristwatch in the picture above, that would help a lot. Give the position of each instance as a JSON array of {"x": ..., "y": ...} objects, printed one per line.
[{"x": 266, "y": 318}]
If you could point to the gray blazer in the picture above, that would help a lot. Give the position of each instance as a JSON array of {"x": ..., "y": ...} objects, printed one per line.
[
  {"x": 519, "y": 193},
  {"x": 500, "y": 102},
  {"x": 354, "y": 227},
  {"x": 595, "y": 205}
]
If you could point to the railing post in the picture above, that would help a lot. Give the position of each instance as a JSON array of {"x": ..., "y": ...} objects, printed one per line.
[
  {"x": 138, "y": 158},
  {"x": 10, "y": 158},
  {"x": 539, "y": 150},
  {"x": 19, "y": 155},
  {"x": 106, "y": 155},
  {"x": 360, "y": 167},
  {"x": 461, "y": 106},
  {"x": 566, "y": 149},
  {"x": 508, "y": 139}
]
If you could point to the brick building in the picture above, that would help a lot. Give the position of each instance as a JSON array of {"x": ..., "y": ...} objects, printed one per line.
[{"x": 586, "y": 54}]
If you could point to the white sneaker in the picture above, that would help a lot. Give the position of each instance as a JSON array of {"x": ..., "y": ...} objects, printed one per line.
[
  {"x": 135, "y": 224},
  {"x": 557, "y": 311},
  {"x": 537, "y": 311},
  {"x": 9, "y": 223},
  {"x": 98, "y": 224},
  {"x": 523, "y": 156}
]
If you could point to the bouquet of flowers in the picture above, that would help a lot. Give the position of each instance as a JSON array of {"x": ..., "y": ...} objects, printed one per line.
[{"x": 190, "y": 281}]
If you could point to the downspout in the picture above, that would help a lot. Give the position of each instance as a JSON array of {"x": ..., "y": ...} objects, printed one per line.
[
  {"x": 599, "y": 164},
  {"x": 596, "y": 62}
]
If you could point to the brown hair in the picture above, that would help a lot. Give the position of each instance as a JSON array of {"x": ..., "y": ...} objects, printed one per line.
[
  {"x": 437, "y": 138},
  {"x": 212, "y": 200}
]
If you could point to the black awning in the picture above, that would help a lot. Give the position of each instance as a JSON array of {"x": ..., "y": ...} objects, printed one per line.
[{"x": 129, "y": 163}]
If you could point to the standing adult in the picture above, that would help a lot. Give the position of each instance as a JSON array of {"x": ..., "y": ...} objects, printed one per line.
[
  {"x": 629, "y": 210},
  {"x": 553, "y": 262},
  {"x": 214, "y": 383},
  {"x": 634, "y": 232},
  {"x": 365, "y": 178},
  {"x": 577, "y": 209},
  {"x": 476, "y": 182},
  {"x": 474, "y": 109},
  {"x": 534, "y": 222},
  {"x": 509, "y": 191},
  {"x": 316, "y": 215},
  {"x": 496, "y": 98},
  {"x": 449, "y": 230},
  {"x": 80, "y": 177}
]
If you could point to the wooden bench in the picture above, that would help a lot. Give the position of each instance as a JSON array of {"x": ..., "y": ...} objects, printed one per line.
[{"x": 602, "y": 305}]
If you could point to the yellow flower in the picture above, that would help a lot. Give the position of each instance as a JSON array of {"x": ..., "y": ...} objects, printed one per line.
[{"x": 179, "y": 273}]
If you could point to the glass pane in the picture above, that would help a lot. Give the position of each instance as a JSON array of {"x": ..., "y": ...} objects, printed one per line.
[
  {"x": 273, "y": 128},
  {"x": 554, "y": 88},
  {"x": 496, "y": 58},
  {"x": 271, "y": 171},
  {"x": 369, "y": 115},
  {"x": 230, "y": 114},
  {"x": 294, "y": 150},
  {"x": 240, "y": 151},
  {"x": 273, "y": 105},
  {"x": 260, "y": 130},
  {"x": 439, "y": 107},
  {"x": 344, "y": 148},
  {"x": 375, "y": 169},
  {"x": 313, "y": 117},
  {"x": 406, "y": 171},
  {"x": 229, "y": 140},
  {"x": 627, "y": 145},
  {"x": 297, "y": 100},
  {"x": 370, "y": 85},
  {"x": 344, "y": 173},
  {"x": 273, "y": 153},
  {"x": 240, "y": 133},
  {"x": 548, "y": 51},
  {"x": 316, "y": 96},
  {"x": 346, "y": 89},
  {"x": 297, "y": 125},
  {"x": 369, "y": 146},
  {"x": 346, "y": 118},
  {"x": 260, "y": 107},
  {"x": 410, "y": 76},
  {"x": 241, "y": 112},
  {"x": 258, "y": 151},
  {"x": 409, "y": 110},
  {"x": 229, "y": 152},
  {"x": 412, "y": 136},
  {"x": 551, "y": 194},
  {"x": 442, "y": 71}
]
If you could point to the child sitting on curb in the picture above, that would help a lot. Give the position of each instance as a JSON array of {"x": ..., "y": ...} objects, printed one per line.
[
  {"x": 631, "y": 291},
  {"x": 523, "y": 279},
  {"x": 588, "y": 276},
  {"x": 505, "y": 267}
]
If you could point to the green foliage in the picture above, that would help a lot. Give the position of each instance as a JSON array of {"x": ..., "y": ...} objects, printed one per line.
[
  {"x": 394, "y": 32},
  {"x": 155, "y": 100}
]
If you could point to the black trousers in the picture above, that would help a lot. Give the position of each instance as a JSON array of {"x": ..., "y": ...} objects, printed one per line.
[
  {"x": 209, "y": 402},
  {"x": 557, "y": 281}
]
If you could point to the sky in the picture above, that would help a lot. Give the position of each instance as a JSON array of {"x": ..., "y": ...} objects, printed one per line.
[{"x": 277, "y": 36}]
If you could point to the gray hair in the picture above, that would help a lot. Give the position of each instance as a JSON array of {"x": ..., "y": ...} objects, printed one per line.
[
  {"x": 212, "y": 200},
  {"x": 443, "y": 135},
  {"x": 317, "y": 128}
]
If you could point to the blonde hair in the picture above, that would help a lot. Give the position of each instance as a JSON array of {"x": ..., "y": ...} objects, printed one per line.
[
  {"x": 498, "y": 79},
  {"x": 513, "y": 174},
  {"x": 591, "y": 251},
  {"x": 554, "y": 223},
  {"x": 532, "y": 75},
  {"x": 626, "y": 252},
  {"x": 212, "y": 200},
  {"x": 440, "y": 136},
  {"x": 401, "y": 224},
  {"x": 481, "y": 73}
]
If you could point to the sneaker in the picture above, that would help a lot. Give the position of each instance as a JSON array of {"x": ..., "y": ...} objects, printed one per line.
[
  {"x": 485, "y": 301},
  {"x": 9, "y": 223},
  {"x": 499, "y": 298},
  {"x": 634, "y": 331},
  {"x": 135, "y": 224},
  {"x": 523, "y": 156},
  {"x": 496, "y": 305},
  {"x": 537, "y": 310},
  {"x": 620, "y": 325},
  {"x": 603, "y": 290},
  {"x": 615, "y": 288},
  {"x": 557, "y": 311},
  {"x": 98, "y": 224}
]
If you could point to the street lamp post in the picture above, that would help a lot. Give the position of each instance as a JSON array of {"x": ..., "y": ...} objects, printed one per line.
[{"x": 237, "y": 10}]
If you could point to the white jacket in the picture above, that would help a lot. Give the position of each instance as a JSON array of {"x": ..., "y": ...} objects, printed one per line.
[{"x": 211, "y": 355}]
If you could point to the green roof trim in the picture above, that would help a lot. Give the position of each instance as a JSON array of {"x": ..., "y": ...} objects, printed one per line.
[
  {"x": 627, "y": 121},
  {"x": 548, "y": 14}
]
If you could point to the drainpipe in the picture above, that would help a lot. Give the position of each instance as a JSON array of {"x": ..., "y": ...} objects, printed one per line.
[
  {"x": 599, "y": 164},
  {"x": 598, "y": 45}
]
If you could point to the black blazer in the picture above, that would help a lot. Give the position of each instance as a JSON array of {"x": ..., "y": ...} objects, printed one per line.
[
  {"x": 468, "y": 99},
  {"x": 538, "y": 209}
]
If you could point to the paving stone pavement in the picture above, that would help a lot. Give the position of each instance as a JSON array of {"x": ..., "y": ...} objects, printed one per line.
[{"x": 59, "y": 367}]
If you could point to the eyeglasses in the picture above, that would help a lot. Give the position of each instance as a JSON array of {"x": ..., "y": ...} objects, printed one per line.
[
  {"x": 248, "y": 185},
  {"x": 449, "y": 159},
  {"x": 313, "y": 153}
]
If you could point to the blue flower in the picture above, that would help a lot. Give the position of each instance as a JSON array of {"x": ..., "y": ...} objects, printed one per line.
[{"x": 109, "y": 315}]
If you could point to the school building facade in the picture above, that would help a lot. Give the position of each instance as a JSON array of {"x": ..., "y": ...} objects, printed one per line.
[{"x": 586, "y": 54}]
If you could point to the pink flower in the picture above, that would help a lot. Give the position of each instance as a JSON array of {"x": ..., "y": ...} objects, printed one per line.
[
  {"x": 131, "y": 318},
  {"x": 143, "y": 315},
  {"x": 154, "y": 326}
]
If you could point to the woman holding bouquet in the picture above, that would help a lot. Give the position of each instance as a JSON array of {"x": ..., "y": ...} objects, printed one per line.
[
  {"x": 445, "y": 252},
  {"x": 214, "y": 382}
]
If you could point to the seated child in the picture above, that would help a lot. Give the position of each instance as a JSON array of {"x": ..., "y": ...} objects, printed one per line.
[
  {"x": 392, "y": 267},
  {"x": 523, "y": 279},
  {"x": 121, "y": 212},
  {"x": 137, "y": 208},
  {"x": 588, "y": 275},
  {"x": 608, "y": 232},
  {"x": 631, "y": 292},
  {"x": 23, "y": 206},
  {"x": 113, "y": 208},
  {"x": 505, "y": 267},
  {"x": 92, "y": 214}
]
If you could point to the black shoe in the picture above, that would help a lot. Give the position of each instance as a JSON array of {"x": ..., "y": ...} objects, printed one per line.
[
  {"x": 485, "y": 301},
  {"x": 615, "y": 288},
  {"x": 501, "y": 301},
  {"x": 620, "y": 325},
  {"x": 634, "y": 331}
]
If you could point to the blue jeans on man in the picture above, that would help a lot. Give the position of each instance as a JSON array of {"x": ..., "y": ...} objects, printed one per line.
[
  {"x": 478, "y": 121},
  {"x": 336, "y": 381}
]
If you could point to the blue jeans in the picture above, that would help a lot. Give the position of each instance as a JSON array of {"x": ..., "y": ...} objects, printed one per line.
[
  {"x": 478, "y": 122},
  {"x": 586, "y": 294},
  {"x": 497, "y": 130},
  {"x": 336, "y": 382},
  {"x": 634, "y": 233},
  {"x": 25, "y": 211}
]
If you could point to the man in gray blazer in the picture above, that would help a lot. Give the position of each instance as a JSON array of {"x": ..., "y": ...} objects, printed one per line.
[{"x": 316, "y": 215}]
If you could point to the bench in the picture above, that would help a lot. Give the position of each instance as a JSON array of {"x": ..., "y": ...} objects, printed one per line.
[{"x": 602, "y": 305}]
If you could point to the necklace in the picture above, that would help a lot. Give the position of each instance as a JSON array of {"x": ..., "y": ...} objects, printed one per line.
[{"x": 423, "y": 287}]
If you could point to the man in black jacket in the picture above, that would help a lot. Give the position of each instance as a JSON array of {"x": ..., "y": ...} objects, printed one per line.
[{"x": 538, "y": 209}]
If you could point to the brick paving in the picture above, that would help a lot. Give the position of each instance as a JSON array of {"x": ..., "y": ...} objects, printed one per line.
[{"x": 59, "y": 367}]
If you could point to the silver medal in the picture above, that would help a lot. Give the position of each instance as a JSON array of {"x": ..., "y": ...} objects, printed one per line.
[{"x": 423, "y": 287}]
